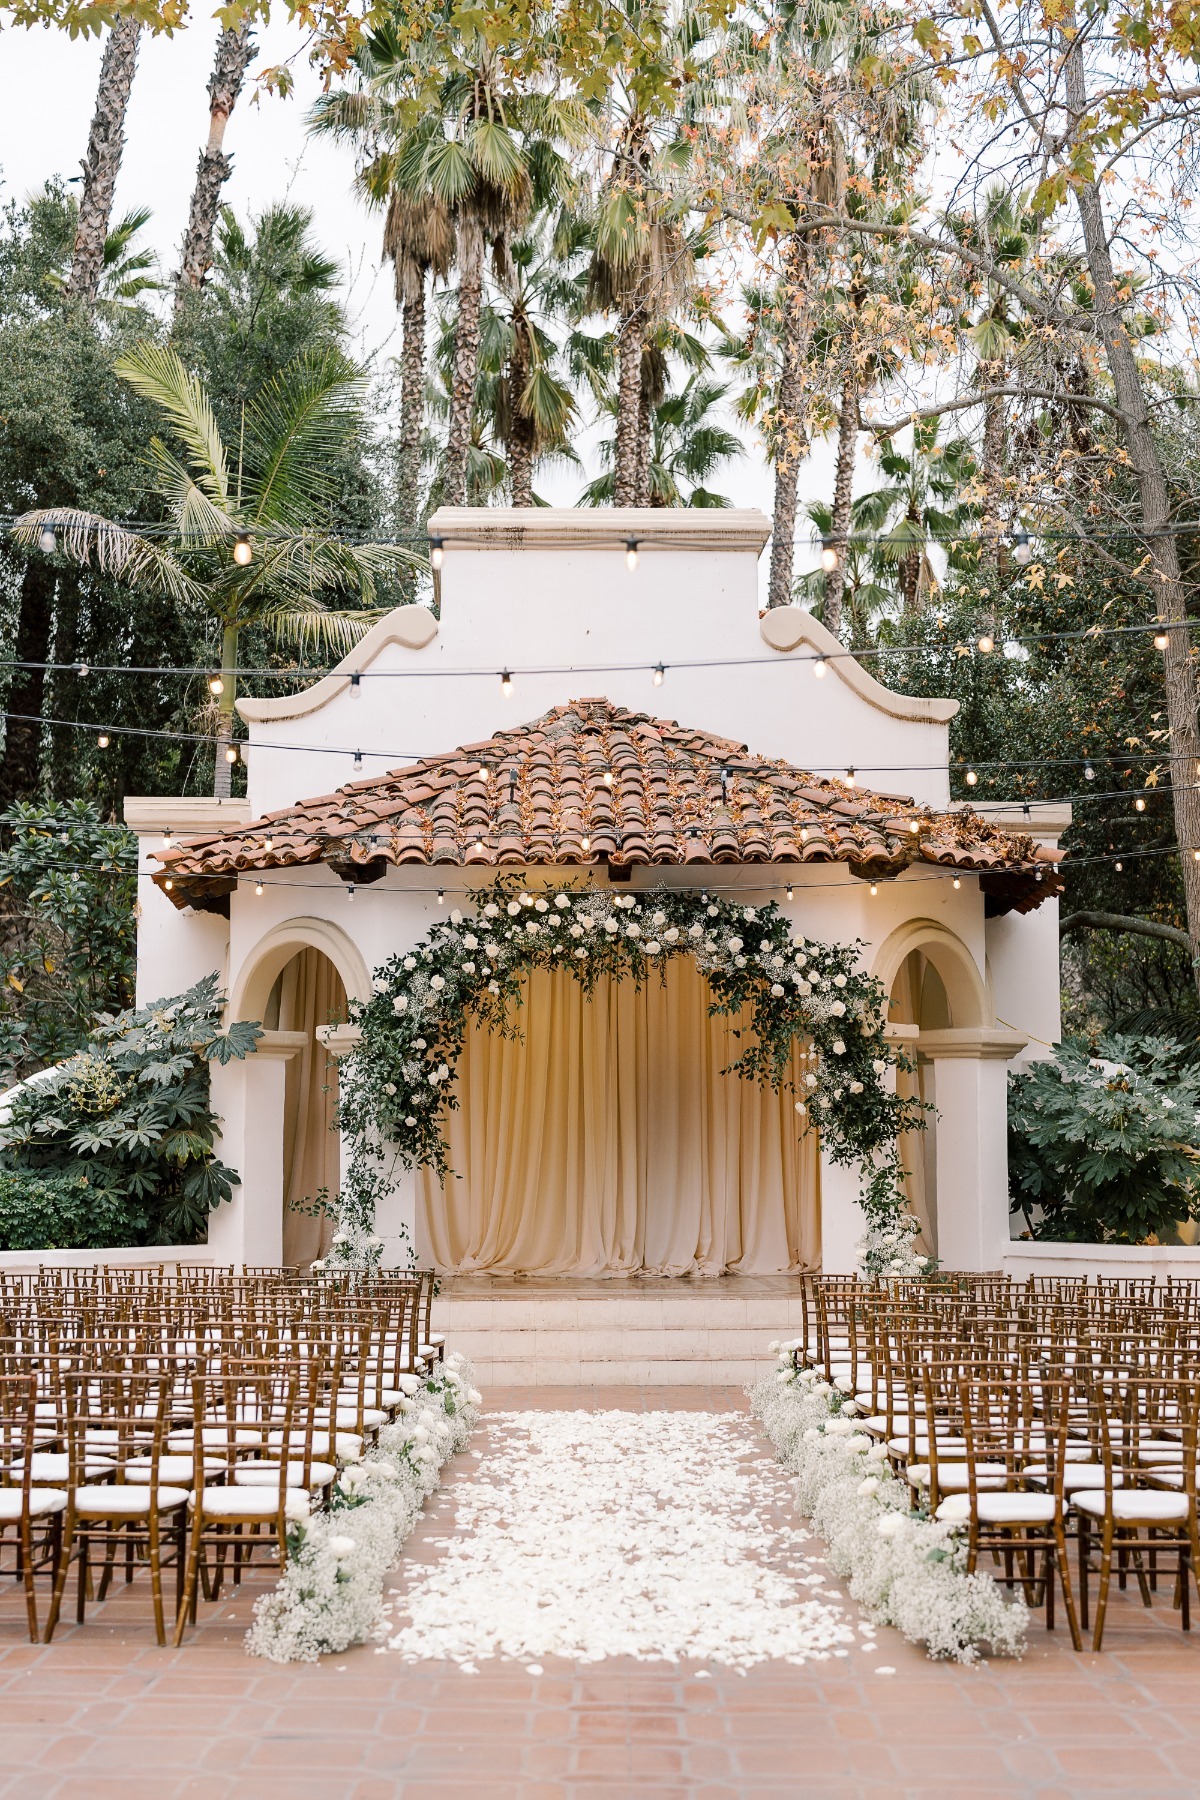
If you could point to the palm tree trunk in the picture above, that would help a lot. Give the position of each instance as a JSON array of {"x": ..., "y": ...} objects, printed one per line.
[
  {"x": 645, "y": 443},
  {"x": 106, "y": 141},
  {"x": 412, "y": 401},
  {"x": 234, "y": 50},
  {"x": 20, "y": 767},
  {"x": 629, "y": 402},
  {"x": 843, "y": 495},
  {"x": 466, "y": 357},
  {"x": 520, "y": 425},
  {"x": 995, "y": 549},
  {"x": 223, "y": 772},
  {"x": 1146, "y": 461},
  {"x": 788, "y": 429}
]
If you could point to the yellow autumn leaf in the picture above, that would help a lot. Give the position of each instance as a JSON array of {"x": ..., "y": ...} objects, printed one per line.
[{"x": 16, "y": 984}]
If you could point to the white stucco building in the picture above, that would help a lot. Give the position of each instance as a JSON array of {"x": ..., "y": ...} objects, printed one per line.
[{"x": 958, "y": 920}]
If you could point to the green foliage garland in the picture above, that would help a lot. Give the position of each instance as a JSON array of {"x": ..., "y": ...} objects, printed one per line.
[{"x": 397, "y": 1082}]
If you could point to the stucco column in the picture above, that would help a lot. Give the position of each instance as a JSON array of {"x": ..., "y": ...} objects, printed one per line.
[
  {"x": 842, "y": 1219},
  {"x": 248, "y": 1099},
  {"x": 971, "y": 1074},
  {"x": 396, "y": 1214}
]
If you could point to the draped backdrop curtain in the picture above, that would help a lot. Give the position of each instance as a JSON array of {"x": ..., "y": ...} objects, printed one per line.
[
  {"x": 310, "y": 993},
  {"x": 608, "y": 1142}
]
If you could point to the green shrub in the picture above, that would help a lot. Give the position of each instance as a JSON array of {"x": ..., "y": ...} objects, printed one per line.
[
  {"x": 1104, "y": 1141},
  {"x": 129, "y": 1116},
  {"x": 62, "y": 1212}
]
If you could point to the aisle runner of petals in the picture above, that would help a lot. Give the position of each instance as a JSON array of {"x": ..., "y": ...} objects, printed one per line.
[{"x": 595, "y": 1534}]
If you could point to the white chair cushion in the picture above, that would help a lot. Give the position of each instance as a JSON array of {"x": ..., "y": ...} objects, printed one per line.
[
  {"x": 1134, "y": 1506},
  {"x": 215, "y": 1435},
  {"x": 999, "y": 1509},
  {"x": 248, "y": 1502},
  {"x": 104, "y": 1502},
  {"x": 55, "y": 1465},
  {"x": 899, "y": 1445},
  {"x": 177, "y": 1469},
  {"x": 345, "y": 1445},
  {"x": 267, "y": 1475},
  {"x": 1076, "y": 1475},
  {"x": 954, "y": 1477},
  {"x": 41, "y": 1501}
]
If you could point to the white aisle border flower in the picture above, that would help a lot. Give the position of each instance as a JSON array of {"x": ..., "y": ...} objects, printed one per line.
[
  {"x": 330, "y": 1595},
  {"x": 904, "y": 1570}
]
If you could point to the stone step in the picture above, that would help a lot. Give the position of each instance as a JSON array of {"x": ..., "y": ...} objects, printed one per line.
[{"x": 654, "y": 1339}]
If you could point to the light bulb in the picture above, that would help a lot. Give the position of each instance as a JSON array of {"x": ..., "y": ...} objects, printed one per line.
[
  {"x": 829, "y": 556},
  {"x": 789, "y": 891},
  {"x": 215, "y": 685},
  {"x": 987, "y": 643},
  {"x": 243, "y": 550},
  {"x": 231, "y": 754},
  {"x": 819, "y": 668},
  {"x": 168, "y": 840},
  {"x": 1161, "y": 640},
  {"x": 1196, "y": 855},
  {"x": 1089, "y": 774},
  {"x": 441, "y": 896},
  {"x": 631, "y": 554},
  {"x": 437, "y": 554},
  {"x": 268, "y": 844},
  {"x": 850, "y": 778},
  {"x": 957, "y": 884},
  {"x": 914, "y": 825},
  {"x": 350, "y": 891},
  {"x": 659, "y": 672},
  {"x": 971, "y": 778},
  {"x": 874, "y": 889},
  {"x": 258, "y": 887},
  {"x": 479, "y": 847},
  {"x": 1118, "y": 867},
  {"x": 1139, "y": 804},
  {"x": 356, "y": 687},
  {"x": 585, "y": 842},
  {"x": 103, "y": 740},
  {"x": 607, "y": 778},
  {"x": 358, "y": 761},
  {"x": 48, "y": 539},
  {"x": 82, "y": 669},
  {"x": 804, "y": 834},
  {"x": 169, "y": 884},
  {"x": 506, "y": 683},
  {"x": 1022, "y": 548}
]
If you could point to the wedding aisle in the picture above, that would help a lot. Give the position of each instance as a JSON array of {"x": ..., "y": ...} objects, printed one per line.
[{"x": 594, "y": 1534}]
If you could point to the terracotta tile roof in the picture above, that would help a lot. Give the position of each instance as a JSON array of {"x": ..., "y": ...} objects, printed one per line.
[{"x": 591, "y": 782}]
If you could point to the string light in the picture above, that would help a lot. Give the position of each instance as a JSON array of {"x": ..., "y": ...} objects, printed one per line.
[
  {"x": 1118, "y": 866},
  {"x": 437, "y": 553},
  {"x": 1089, "y": 774},
  {"x": 819, "y": 669},
  {"x": 874, "y": 889},
  {"x": 631, "y": 554},
  {"x": 829, "y": 556},
  {"x": 607, "y": 778},
  {"x": 804, "y": 834},
  {"x": 168, "y": 840},
  {"x": 971, "y": 778},
  {"x": 356, "y": 686},
  {"x": 987, "y": 643},
  {"x": 1161, "y": 640},
  {"x": 1022, "y": 548},
  {"x": 914, "y": 825},
  {"x": 585, "y": 842},
  {"x": 1139, "y": 804},
  {"x": 231, "y": 754},
  {"x": 441, "y": 896},
  {"x": 82, "y": 670},
  {"x": 957, "y": 884},
  {"x": 506, "y": 683},
  {"x": 258, "y": 887},
  {"x": 851, "y": 778},
  {"x": 268, "y": 844},
  {"x": 103, "y": 740},
  {"x": 479, "y": 850},
  {"x": 243, "y": 550},
  {"x": 168, "y": 884},
  {"x": 358, "y": 762},
  {"x": 790, "y": 891},
  {"x": 48, "y": 539},
  {"x": 350, "y": 891},
  {"x": 215, "y": 685}
]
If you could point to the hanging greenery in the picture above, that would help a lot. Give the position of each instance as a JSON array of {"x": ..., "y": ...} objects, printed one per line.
[{"x": 398, "y": 1082}]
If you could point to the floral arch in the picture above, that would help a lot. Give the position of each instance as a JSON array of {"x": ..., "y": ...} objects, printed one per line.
[{"x": 398, "y": 1081}]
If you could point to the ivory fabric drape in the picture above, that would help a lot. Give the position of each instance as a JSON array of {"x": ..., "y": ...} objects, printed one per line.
[
  {"x": 909, "y": 1005},
  {"x": 608, "y": 1142},
  {"x": 310, "y": 994}
]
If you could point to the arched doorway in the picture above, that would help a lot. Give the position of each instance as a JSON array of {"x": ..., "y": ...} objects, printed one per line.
[
  {"x": 307, "y": 993},
  {"x": 606, "y": 1140}
]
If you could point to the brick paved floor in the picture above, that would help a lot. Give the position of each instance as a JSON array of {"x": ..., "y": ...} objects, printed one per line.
[{"x": 103, "y": 1712}]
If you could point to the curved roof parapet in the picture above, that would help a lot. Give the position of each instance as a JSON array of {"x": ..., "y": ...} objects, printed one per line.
[
  {"x": 412, "y": 627},
  {"x": 788, "y": 627},
  {"x": 600, "y": 528}
]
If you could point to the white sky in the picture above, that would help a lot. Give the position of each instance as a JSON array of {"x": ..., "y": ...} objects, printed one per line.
[{"x": 50, "y": 85}]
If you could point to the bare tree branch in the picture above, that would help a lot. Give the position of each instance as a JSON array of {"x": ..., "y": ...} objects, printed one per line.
[
  {"x": 1106, "y": 921},
  {"x": 982, "y": 394}
]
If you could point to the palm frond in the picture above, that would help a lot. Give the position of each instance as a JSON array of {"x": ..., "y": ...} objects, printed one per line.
[
  {"x": 159, "y": 376},
  {"x": 93, "y": 541}
]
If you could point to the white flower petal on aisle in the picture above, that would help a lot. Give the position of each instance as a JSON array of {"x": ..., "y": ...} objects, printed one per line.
[{"x": 593, "y": 1534}]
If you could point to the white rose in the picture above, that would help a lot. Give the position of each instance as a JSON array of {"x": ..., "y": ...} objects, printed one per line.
[
  {"x": 587, "y": 921},
  {"x": 389, "y": 1087},
  {"x": 652, "y": 948},
  {"x": 838, "y": 1009},
  {"x": 470, "y": 941},
  {"x": 410, "y": 1121},
  {"x": 739, "y": 962},
  {"x": 581, "y": 951},
  {"x": 856, "y": 1087},
  {"x": 410, "y": 963},
  {"x": 455, "y": 917},
  {"x": 561, "y": 900},
  {"x": 776, "y": 991},
  {"x": 541, "y": 904},
  {"x": 493, "y": 987},
  {"x": 420, "y": 1043},
  {"x": 492, "y": 949},
  {"x": 532, "y": 928},
  {"x": 748, "y": 912},
  {"x": 839, "y": 1048},
  {"x": 295, "y": 1506},
  {"x": 434, "y": 1078},
  {"x": 801, "y": 1108},
  {"x": 633, "y": 929},
  {"x": 491, "y": 910},
  {"x": 879, "y": 1066},
  {"x": 400, "y": 1003},
  {"x": 317, "y": 1264},
  {"x": 869, "y": 1486},
  {"x": 839, "y": 981},
  {"x": 844, "y": 1384},
  {"x": 468, "y": 968},
  {"x": 810, "y": 1080},
  {"x": 801, "y": 959},
  {"x": 777, "y": 962},
  {"x": 733, "y": 945},
  {"x": 576, "y": 930},
  {"x": 341, "y": 1547},
  {"x": 443, "y": 1072},
  {"x": 437, "y": 983},
  {"x": 659, "y": 918},
  {"x": 610, "y": 925},
  {"x": 891, "y": 1525},
  {"x": 380, "y": 985},
  {"x": 802, "y": 987},
  {"x": 671, "y": 934},
  {"x": 474, "y": 1397},
  {"x": 838, "y": 1427},
  {"x": 513, "y": 908},
  {"x": 695, "y": 931}
]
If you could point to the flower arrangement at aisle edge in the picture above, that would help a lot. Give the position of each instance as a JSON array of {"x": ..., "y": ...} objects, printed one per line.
[
  {"x": 330, "y": 1595},
  {"x": 397, "y": 1082},
  {"x": 904, "y": 1569}
]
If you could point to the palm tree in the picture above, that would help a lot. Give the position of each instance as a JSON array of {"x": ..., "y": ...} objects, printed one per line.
[
  {"x": 687, "y": 447},
  {"x": 867, "y": 593},
  {"x": 127, "y": 269},
  {"x": 924, "y": 507},
  {"x": 106, "y": 141},
  {"x": 249, "y": 533},
  {"x": 235, "y": 47},
  {"x": 540, "y": 288}
]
